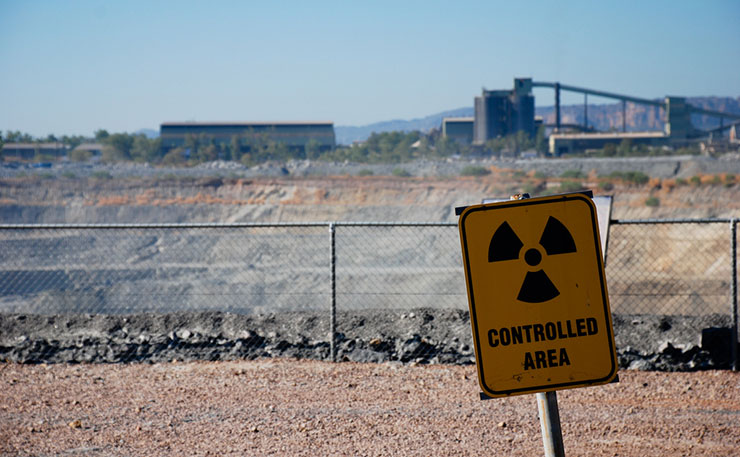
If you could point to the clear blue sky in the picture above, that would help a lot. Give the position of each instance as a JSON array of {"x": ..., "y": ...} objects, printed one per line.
[{"x": 71, "y": 67}]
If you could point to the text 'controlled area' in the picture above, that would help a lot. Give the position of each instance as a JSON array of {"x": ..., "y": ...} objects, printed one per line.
[{"x": 549, "y": 331}]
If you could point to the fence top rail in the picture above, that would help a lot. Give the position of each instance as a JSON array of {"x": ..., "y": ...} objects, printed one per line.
[
  {"x": 207, "y": 225},
  {"x": 723, "y": 220}
]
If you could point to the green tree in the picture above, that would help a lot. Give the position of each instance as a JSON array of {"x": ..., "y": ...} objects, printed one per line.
[
  {"x": 236, "y": 148},
  {"x": 144, "y": 149},
  {"x": 540, "y": 142},
  {"x": 73, "y": 141},
  {"x": 625, "y": 147},
  {"x": 101, "y": 135},
  {"x": 18, "y": 137},
  {"x": 120, "y": 144},
  {"x": 312, "y": 149},
  {"x": 79, "y": 155},
  {"x": 446, "y": 147},
  {"x": 609, "y": 150},
  {"x": 175, "y": 156},
  {"x": 208, "y": 153}
]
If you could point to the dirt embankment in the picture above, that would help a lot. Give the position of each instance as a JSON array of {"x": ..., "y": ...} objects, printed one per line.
[{"x": 341, "y": 198}]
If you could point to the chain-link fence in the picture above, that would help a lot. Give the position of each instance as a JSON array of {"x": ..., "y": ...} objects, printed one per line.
[{"x": 342, "y": 291}]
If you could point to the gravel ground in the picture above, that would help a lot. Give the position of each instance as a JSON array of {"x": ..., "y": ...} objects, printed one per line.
[{"x": 289, "y": 407}]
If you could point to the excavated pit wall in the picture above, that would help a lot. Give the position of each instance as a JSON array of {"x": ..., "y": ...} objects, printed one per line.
[{"x": 221, "y": 193}]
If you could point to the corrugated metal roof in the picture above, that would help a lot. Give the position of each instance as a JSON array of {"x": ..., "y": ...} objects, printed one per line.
[
  {"x": 90, "y": 146},
  {"x": 607, "y": 135},
  {"x": 58, "y": 145},
  {"x": 231, "y": 124}
]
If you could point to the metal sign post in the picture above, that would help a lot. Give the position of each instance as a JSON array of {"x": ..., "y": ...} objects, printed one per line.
[{"x": 552, "y": 435}]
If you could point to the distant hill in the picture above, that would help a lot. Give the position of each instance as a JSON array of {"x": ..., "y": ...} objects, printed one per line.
[
  {"x": 639, "y": 117},
  {"x": 349, "y": 134},
  {"x": 601, "y": 117}
]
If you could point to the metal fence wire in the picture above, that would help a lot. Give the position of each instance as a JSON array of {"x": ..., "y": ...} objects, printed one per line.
[
  {"x": 669, "y": 268},
  {"x": 339, "y": 291}
]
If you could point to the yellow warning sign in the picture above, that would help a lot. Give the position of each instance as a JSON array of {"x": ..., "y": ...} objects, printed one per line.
[{"x": 539, "y": 307}]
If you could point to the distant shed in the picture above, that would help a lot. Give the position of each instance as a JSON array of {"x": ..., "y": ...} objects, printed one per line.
[
  {"x": 295, "y": 135},
  {"x": 28, "y": 151},
  {"x": 459, "y": 129}
]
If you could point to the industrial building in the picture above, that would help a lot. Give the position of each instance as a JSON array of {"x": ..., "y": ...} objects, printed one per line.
[
  {"x": 503, "y": 112},
  {"x": 566, "y": 143},
  {"x": 28, "y": 151},
  {"x": 459, "y": 129},
  {"x": 295, "y": 135},
  {"x": 499, "y": 113}
]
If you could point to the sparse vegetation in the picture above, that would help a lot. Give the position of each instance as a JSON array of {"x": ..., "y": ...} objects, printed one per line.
[
  {"x": 79, "y": 155},
  {"x": 632, "y": 177},
  {"x": 606, "y": 186},
  {"x": 365, "y": 172},
  {"x": 627, "y": 149},
  {"x": 652, "y": 201},
  {"x": 400, "y": 172},
  {"x": 571, "y": 186},
  {"x": 474, "y": 170},
  {"x": 101, "y": 174},
  {"x": 575, "y": 174},
  {"x": 533, "y": 189}
]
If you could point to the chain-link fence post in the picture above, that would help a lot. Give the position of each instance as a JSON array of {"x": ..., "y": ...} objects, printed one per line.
[
  {"x": 333, "y": 282},
  {"x": 733, "y": 285}
]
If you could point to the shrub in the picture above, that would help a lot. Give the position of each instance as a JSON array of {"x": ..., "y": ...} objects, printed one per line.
[
  {"x": 540, "y": 174},
  {"x": 400, "y": 172},
  {"x": 101, "y": 174},
  {"x": 365, "y": 172},
  {"x": 606, "y": 186},
  {"x": 79, "y": 155},
  {"x": 167, "y": 177},
  {"x": 652, "y": 201},
  {"x": 571, "y": 186},
  {"x": 475, "y": 170},
  {"x": 695, "y": 180},
  {"x": 634, "y": 177},
  {"x": 176, "y": 157},
  {"x": 681, "y": 182},
  {"x": 572, "y": 174},
  {"x": 69, "y": 175},
  {"x": 532, "y": 189}
]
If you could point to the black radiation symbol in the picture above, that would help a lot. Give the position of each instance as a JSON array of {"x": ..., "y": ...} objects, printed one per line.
[{"x": 506, "y": 245}]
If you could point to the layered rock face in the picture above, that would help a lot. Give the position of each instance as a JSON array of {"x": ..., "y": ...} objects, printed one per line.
[{"x": 683, "y": 187}]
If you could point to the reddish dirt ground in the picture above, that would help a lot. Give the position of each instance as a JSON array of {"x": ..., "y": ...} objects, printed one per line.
[{"x": 299, "y": 407}]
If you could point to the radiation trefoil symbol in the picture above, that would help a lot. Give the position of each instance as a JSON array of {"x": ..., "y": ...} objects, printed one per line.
[{"x": 506, "y": 245}]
